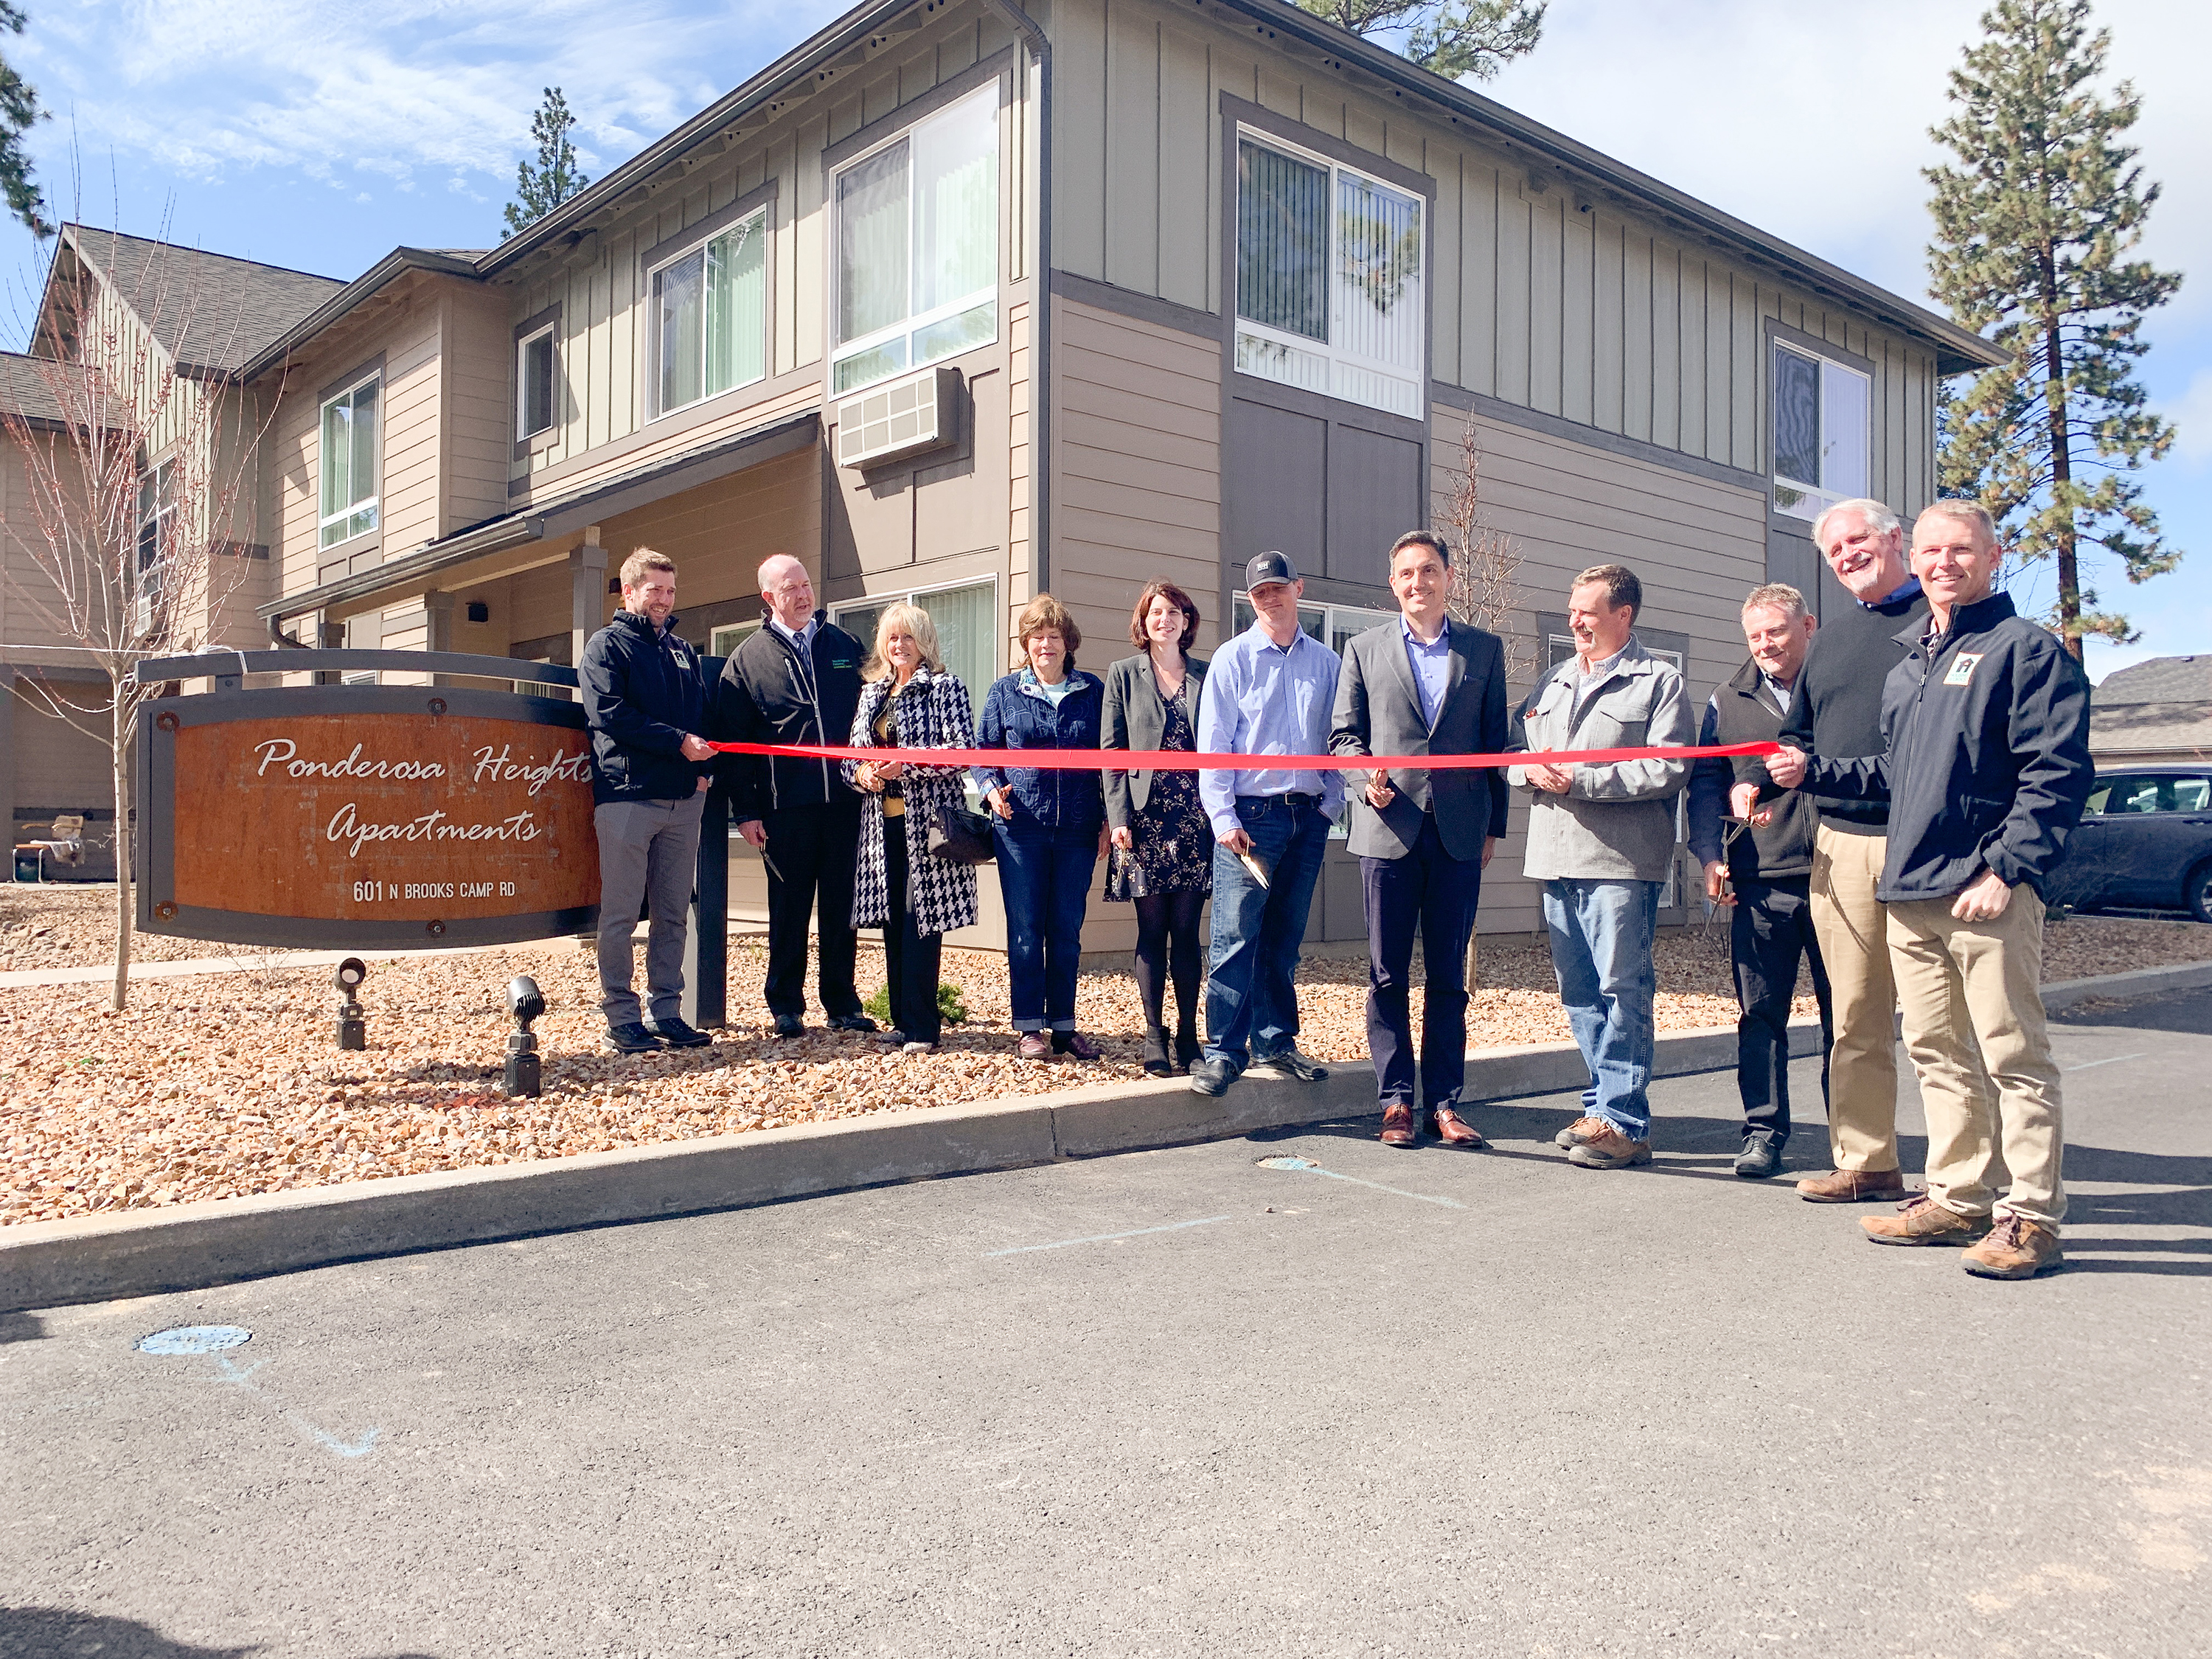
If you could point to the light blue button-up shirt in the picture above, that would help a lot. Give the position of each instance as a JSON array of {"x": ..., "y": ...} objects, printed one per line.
[
  {"x": 1262, "y": 700},
  {"x": 1432, "y": 666}
]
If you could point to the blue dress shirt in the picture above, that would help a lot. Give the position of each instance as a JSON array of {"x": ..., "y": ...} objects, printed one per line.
[
  {"x": 1263, "y": 700},
  {"x": 1432, "y": 666}
]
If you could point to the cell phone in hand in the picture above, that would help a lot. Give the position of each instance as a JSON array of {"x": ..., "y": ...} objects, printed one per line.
[{"x": 1254, "y": 867}]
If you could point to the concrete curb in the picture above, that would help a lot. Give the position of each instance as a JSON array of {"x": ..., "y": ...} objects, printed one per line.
[{"x": 191, "y": 1246}]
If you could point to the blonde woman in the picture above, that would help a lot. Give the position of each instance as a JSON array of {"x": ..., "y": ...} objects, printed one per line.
[{"x": 909, "y": 700}]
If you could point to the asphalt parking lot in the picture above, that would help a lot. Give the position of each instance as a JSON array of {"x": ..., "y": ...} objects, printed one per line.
[{"x": 1179, "y": 1403}]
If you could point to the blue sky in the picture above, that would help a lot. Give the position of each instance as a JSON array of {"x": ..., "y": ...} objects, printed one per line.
[{"x": 320, "y": 136}]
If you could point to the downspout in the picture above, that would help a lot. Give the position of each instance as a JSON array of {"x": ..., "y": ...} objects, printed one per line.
[{"x": 1041, "y": 310}]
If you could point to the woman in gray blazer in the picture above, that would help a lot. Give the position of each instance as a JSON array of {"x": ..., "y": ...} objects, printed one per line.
[{"x": 1162, "y": 845}]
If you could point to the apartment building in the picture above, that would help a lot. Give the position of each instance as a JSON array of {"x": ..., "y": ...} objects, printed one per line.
[{"x": 958, "y": 302}]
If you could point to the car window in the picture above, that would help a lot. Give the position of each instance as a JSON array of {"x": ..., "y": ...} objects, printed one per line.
[
  {"x": 2131, "y": 795},
  {"x": 2191, "y": 794}
]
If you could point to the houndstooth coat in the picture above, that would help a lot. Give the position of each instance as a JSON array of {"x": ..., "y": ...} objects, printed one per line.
[{"x": 933, "y": 712}]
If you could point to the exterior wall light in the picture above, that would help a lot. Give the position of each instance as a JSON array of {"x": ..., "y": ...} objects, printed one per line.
[
  {"x": 352, "y": 1032},
  {"x": 525, "y": 1002}
]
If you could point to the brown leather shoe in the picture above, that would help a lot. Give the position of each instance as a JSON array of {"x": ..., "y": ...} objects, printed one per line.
[
  {"x": 1853, "y": 1187},
  {"x": 1921, "y": 1220},
  {"x": 1034, "y": 1045},
  {"x": 1448, "y": 1127},
  {"x": 1581, "y": 1130},
  {"x": 1398, "y": 1126},
  {"x": 2016, "y": 1248}
]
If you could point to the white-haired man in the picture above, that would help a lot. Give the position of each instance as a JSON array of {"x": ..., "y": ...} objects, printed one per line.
[
  {"x": 1836, "y": 713},
  {"x": 1985, "y": 765}
]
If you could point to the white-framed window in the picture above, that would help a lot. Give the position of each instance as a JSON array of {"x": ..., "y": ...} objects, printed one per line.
[
  {"x": 1820, "y": 431},
  {"x": 1333, "y": 625},
  {"x": 915, "y": 261},
  {"x": 968, "y": 627},
  {"x": 710, "y": 316},
  {"x": 351, "y": 427},
  {"x": 537, "y": 388},
  {"x": 724, "y": 641},
  {"x": 1331, "y": 278},
  {"x": 157, "y": 523}
]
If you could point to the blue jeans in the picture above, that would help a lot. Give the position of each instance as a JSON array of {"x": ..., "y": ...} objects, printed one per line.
[
  {"x": 1602, "y": 936},
  {"x": 1045, "y": 874},
  {"x": 1251, "y": 1004}
]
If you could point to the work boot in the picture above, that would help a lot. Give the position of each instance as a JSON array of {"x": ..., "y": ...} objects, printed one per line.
[
  {"x": 1610, "y": 1150},
  {"x": 677, "y": 1035},
  {"x": 1921, "y": 1220},
  {"x": 1853, "y": 1187},
  {"x": 1581, "y": 1130},
  {"x": 1760, "y": 1159},
  {"x": 2016, "y": 1248}
]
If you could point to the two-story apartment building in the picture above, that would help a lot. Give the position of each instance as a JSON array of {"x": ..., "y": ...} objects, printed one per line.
[{"x": 960, "y": 302}]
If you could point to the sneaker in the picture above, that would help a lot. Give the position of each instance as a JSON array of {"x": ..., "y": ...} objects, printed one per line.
[
  {"x": 1921, "y": 1220},
  {"x": 917, "y": 1047},
  {"x": 1075, "y": 1043},
  {"x": 1581, "y": 1130},
  {"x": 677, "y": 1035},
  {"x": 1611, "y": 1150},
  {"x": 788, "y": 1026},
  {"x": 1853, "y": 1187},
  {"x": 1211, "y": 1077},
  {"x": 631, "y": 1038},
  {"x": 891, "y": 1036},
  {"x": 851, "y": 1023},
  {"x": 1033, "y": 1045},
  {"x": 1289, "y": 1063},
  {"x": 1760, "y": 1159},
  {"x": 2016, "y": 1248}
]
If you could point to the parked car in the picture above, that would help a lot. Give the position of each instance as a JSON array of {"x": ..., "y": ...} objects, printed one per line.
[{"x": 2144, "y": 843}]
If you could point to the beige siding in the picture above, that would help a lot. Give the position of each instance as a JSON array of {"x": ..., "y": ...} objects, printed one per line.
[
  {"x": 477, "y": 368},
  {"x": 1698, "y": 545},
  {"x": 1545, "y": 298}
]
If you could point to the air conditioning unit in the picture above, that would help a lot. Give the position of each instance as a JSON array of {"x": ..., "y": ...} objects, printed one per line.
[{"x": 901, "y": 418}]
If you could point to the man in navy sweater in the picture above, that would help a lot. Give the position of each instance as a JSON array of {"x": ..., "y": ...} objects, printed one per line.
[{"x": 1985, "y": 765}]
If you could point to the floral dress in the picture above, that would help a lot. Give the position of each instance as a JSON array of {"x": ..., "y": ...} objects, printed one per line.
[{"x": 1175, "y": 843}]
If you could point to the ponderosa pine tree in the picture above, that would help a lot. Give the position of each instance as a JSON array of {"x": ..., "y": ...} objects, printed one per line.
[
  {"x": 19, "y": 114},
  {"x": 2033, "y": 222},
  {"x": 538, "y": 190},
  {"x": 1451, "y": 38}
]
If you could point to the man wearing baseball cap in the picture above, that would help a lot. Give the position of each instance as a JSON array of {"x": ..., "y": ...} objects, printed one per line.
[{"x": 1271, "y": 690}]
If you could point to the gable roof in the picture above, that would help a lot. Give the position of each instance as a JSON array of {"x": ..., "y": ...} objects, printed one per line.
[
  {"x": 2162, "y": 679},
  {"x": 208, "y": 311},
  {"x": 24, "y": 390}
]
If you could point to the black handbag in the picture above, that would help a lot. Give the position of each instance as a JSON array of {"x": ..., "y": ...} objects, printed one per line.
[{"x": 960, "y": 837}]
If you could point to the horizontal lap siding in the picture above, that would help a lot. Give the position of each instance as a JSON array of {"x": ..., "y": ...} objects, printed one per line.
[
  {"x": 1138, "y": 491},
  {"x": 1697, "y": 545}
]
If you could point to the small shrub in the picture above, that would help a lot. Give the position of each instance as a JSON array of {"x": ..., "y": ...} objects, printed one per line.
[{"x": 950, "y": 1007}]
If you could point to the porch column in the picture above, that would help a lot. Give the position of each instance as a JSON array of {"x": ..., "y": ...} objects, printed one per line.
[{"x": 587, "y": 591}]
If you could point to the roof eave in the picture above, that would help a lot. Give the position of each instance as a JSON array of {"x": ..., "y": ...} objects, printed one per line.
[{"x": 379, "y": 275}]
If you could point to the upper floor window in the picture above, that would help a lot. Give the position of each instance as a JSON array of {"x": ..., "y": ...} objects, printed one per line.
[
  {"x": 710, "y": 315},
  {"x": 1330, "y": 292},
  {"x": 157, "y": 522},
  {"x": 350, "y": 421},
  {"x": 1820, "y": 432},
  {"x": 535, "y": 395},
  {"x": 917, "y": 246}
]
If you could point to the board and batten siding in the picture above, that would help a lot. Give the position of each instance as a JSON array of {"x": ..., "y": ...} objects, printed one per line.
[{"x": 1543, "y": 298}]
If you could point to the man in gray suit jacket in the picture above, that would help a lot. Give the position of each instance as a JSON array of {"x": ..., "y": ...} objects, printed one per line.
[{"x": 1422, "y": 685}]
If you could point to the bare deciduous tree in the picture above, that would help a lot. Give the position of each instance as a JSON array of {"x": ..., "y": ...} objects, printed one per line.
[{"x": 134, "y": 455}]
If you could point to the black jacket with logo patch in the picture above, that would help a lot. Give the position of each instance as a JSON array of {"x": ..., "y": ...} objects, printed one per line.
[
  {"x": 642, "y": 694},
  {"x": 772, "y": 692},
  {"x": 1986, "y": 766}
]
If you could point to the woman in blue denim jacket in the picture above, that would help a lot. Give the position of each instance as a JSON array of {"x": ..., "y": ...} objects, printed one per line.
[{"x": 1049, "y": 826}]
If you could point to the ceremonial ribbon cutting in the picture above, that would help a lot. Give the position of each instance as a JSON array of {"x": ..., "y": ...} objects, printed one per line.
[{"x": 1170, "y": 760}]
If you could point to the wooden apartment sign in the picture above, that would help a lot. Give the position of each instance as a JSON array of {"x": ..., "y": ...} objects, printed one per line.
[{"x": 364, "y": 816}]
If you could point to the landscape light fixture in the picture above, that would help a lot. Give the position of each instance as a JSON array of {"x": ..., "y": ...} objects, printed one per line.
[
  {"x": 525, "y": 1002},
  {"x": 352, "y": 1032}
]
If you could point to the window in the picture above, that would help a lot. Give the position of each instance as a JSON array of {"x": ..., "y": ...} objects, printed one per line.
[
  {"x": 1820, "y": 432},
  {"x": 535, "y": 393},
  {"x": 349, "y": 447},
  {"x": 1329, "y": 283},
  {"x": 968, "y": 627},
  {"x": 917, "y": 248},
  {"x": 724, "y": 641},
  {"x": 1333, "y": 625},
  {"x": 710, "y": 316},
  {"x": 2120, "y": 796},
  {"x": 157, "y": 524}
]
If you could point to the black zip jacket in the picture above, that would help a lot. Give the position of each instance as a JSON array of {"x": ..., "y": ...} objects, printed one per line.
[
  {"x": 1987, "y": 763},
  {"x": 643, "y": 694},
  {"x": 772, "y": 692},
  {"x": 1739, "y": 712},
  {"x": 1837, "y": 711}
]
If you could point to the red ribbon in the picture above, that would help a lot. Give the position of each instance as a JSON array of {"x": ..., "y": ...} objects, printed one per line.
[{"x": 1178, "y": 760}]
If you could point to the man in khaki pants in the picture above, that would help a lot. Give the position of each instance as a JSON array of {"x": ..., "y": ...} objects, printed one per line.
[
  {"x": 1836, "y": 713},
  {"x": 1986, "y": 767}
]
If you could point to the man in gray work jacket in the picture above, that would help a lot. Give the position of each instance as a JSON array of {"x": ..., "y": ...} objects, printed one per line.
[{"x": 1602, "y": 839}]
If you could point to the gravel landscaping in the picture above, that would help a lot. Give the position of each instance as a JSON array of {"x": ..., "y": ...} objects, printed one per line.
[{"x": 217, "y": 1085}]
